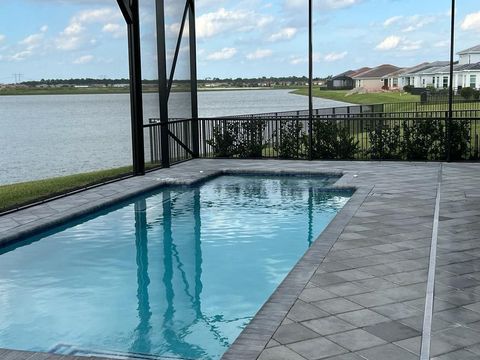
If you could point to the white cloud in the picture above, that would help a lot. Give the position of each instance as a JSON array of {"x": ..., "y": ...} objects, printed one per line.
[
  {"x": 116, "y": 30},
  {"x": 222, "y": 20},
  {"x": 19, "y": 56},
  {"x": 322, "y": 4},
  {"x": 74, "y": 35},
  {"x": 32, "y": 41},
  {"x": 284, "y": 34},
  {"x": 224, "y": 54},
  {"x": 335, "y": 56},
  {"x": 408, "y": 45},
  {"x": 392, "y": 20},
  {"x": 471, "y": 22},
  {"x": 44, "y": 28},
  {"x": 390, "y": 42},
  {"x": 2, "y": 38},
  {"x": 400, "y": 43},
  {"x": 295, "y": 60},
  {"x": 416, "y": 22},
  {"x": 83, "y": 59},
  {"x": 259, "y": 54}
]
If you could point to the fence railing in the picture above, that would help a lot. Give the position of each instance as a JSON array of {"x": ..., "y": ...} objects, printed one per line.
[
  {"x": 179, "y": 140},
  {"x": 342, "y": 138},
  {"x": 402, "y": 135}
]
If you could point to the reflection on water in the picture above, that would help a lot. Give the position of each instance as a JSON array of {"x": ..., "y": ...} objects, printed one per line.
[{"x": 178, "y": 273}]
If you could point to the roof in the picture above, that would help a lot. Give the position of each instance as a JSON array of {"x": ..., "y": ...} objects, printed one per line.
[
  {"x": 361, "y": 70},
  {"x": 446, "y": 69},
  {"x": 351, "y": 73},
  {"x": 377, "y": 72},
  {"x": 474, "y": 50},
  {"x": 345, "y": 74}
]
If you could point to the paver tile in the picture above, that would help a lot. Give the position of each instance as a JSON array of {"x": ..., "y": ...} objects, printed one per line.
[
  {"x": 319, "y": 348},
  {"x": 302, "y": 311},
  {"x": 392, "y": 331},
  {"x": 290, "y": 333},
  {"x": 328, "y": 325},
  {"x": 361, "y": 318},
  {"x": 337, "y": 305},
  {"x": 389, "y": 351},
  {"x": 279, "y": 353},
  {"x": 356, "y": 340}
]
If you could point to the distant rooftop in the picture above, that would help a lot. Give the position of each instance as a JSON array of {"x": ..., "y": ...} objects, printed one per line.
[
  {"x": 377, "y": 72},
  {"x": 472, "y": 50}
]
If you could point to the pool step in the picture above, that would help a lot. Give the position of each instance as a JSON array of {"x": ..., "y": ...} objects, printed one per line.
[{"x": 66, "y": 349}]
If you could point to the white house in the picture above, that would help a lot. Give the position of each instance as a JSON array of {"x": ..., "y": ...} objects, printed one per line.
[
  {"x": 466, "y": 73},
  {"x": 470, "y": 56}
]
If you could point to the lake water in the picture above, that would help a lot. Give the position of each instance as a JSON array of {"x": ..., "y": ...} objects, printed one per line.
[{"x": 44, "y": 136}]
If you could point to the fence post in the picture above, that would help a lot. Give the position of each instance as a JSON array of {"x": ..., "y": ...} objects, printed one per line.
[{"x": 448, "y": 143}]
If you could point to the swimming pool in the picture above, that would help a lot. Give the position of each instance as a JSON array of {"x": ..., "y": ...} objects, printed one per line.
[{"x": 174, "y": 274}]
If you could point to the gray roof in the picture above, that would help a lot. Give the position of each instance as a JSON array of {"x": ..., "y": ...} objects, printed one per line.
[
  {"x": 377, "y": 72},
  {"x": 446, "y": 69},
  {"x": 474, "y": 49}
]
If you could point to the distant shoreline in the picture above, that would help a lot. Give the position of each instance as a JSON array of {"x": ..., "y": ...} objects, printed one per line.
[{"x": 100, "y": 91}]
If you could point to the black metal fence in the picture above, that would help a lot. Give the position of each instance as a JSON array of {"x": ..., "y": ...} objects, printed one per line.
[
  {"x": 355, "y": 137},
  {"x": 340, "y": 135},
  {"x": 179, "y": 143}
]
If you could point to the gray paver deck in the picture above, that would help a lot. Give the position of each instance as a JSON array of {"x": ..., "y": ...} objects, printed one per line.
[{"x": 359, "y": 292}]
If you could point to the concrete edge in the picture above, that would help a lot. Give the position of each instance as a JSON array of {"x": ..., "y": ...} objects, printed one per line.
[{"x": 255, "y": 337}]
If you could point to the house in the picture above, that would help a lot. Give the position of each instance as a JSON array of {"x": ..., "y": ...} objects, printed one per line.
[
  {"x": 470, "y": 55},
  {"x": 374, "y": 79},
  {"x": 464, "y": 75},
  {"x": 408, "y": 76},
  {"x": 344, "y": 81}
]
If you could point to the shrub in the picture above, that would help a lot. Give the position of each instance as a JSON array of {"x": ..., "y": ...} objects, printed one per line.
[
  {"x": 408, "y": 88},
  {"x": 332, "y": 141},
  {"x": 423, "y": 140},
  {"x": 459, "y": 139},
  {"x": 467, "y": 93},
  {"x": 347, "y": 146},
  {"x": 250, "y": 139},
  {"x": 476, "y": 94},
  {"x": 289, "y": 139},
  {"x": 224, "y": 141},
  {"x": 384, "y": 142}
]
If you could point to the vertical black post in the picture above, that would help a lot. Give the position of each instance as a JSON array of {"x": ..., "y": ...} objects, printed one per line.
[
  {"x": 193, "y": 78},
  {"x": 162, "y": 83},
  {"x": 450, "y": 89},
  {"x": 136, "y": 103},
  {"x": 310, "y": 78}
]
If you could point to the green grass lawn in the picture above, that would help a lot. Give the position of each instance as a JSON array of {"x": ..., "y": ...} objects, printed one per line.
[
  {"x": 364, "y": 99},
  {"x": 15, "y": 195}
]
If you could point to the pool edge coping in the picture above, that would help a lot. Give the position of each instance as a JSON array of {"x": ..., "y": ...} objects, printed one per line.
[{"x": 255, "y": 336}]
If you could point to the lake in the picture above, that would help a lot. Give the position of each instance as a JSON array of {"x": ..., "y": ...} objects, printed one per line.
[{"x": 44, "y": 136}]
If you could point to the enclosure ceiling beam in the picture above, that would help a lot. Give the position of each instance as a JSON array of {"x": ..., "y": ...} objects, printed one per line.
[
  {"x": 125, "y": 6},
  {"x": 177, "y": 48}
]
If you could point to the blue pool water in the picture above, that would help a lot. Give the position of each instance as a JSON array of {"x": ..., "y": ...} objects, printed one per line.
[{"x": 177, "y": 273}]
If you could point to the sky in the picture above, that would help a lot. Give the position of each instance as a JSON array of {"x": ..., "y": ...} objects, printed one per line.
[{"x": 248, "y": 38}]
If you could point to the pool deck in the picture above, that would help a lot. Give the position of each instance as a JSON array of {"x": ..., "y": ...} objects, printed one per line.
[{"x": 371, "y": 287}]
